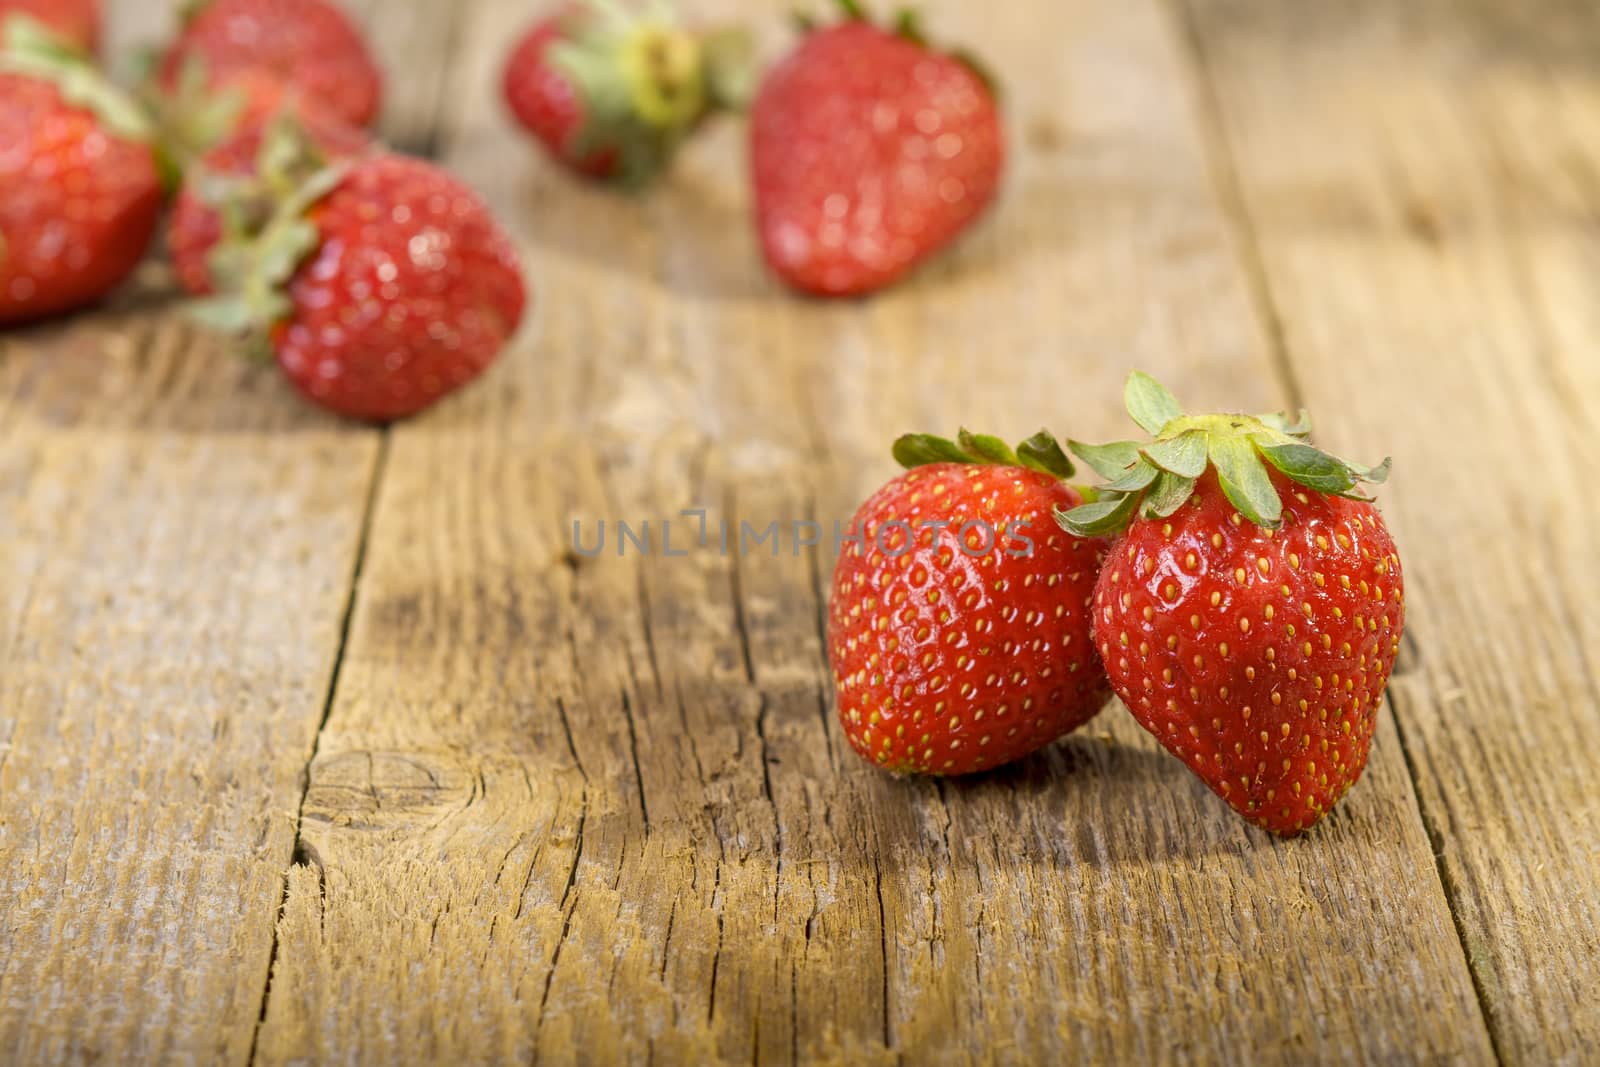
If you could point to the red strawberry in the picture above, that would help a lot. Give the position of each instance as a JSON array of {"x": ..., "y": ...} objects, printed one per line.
[
  {"x": 381, "y": 284},
  {"x": 613, "y": 97},
  {"x": 1251, "y": 611},
  {"x": 870, "y": 151},
  {"x": 82, "y": 193},
  {"x": 195, "y": 226},
  {"x": 307, "y": 43},
  {"x": 77, "y": 21},
  {"x": 962, "y": 647}
]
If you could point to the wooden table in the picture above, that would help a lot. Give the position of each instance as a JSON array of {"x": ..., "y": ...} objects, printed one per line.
[{"x": 318, "y": 743}]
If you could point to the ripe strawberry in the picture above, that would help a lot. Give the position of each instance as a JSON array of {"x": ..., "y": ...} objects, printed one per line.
[
  {"x": 870, "y": 151},
  {"x": 307, "y": 43},
  {"x": 82, "y": 193},
  {"x": 959, "y": 626},
  {"x": 1250, "y": 613},
  {"x": 77, "y": 21},
  {"x": 380, "y": 283},
  {"x": 232, "y": 171},
  {"x": 612, "y": 96}
]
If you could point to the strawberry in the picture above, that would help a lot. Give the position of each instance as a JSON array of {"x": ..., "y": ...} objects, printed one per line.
[
  {"x": 613, "y": 96},
  {"x": 1250, "y": 611},
  {"x": 870, "y": 152},
  {"x": 233, "y": 171},
  {"x": 379, "y": 283},
  {"x": 306, "y": 43},
  {"x": 958, "y": 625},
  {"x": 82, "y": 191},
  {"x": 77, "y": 21}
]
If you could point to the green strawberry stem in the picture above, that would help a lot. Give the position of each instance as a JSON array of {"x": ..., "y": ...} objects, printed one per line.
[
  {"x": 646, "y": 82},
  {"x": 1155, "y": 478},
  {"x": 266, "y": 230},
  {"x": 30, "y": 48},
  {"x": 1041, "y": 452},
  {"x": 194, "y": 116}
]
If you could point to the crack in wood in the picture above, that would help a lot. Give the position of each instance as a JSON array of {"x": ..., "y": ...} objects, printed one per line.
[{"x": 300, "y": 847}]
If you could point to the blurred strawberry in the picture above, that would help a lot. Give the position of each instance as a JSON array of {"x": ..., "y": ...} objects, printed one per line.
[
  {"x": 613, "y": 95},
  {"x": 82, "y": 192},
  {"x": 870, "y": 151},
  {"x": 309, "y": 44},
  {"x": 380, "y": 284}
]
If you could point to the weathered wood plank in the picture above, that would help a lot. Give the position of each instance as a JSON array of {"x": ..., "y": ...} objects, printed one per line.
[
  {"x": 1422, "y": 180},
  {"x": 177, "y": 537},
  {"x": 594, "y": 808},
  {"x": 176, "y": 540},
  {"x": 416, "y": 45}
]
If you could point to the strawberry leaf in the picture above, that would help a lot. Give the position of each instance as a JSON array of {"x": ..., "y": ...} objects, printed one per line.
[
  {"x": 1106, "y": 515},
  {"x": 986, "y": 449},
  {"x": 1244, "y": 480},
  {"x": 1167, "y": 495},
  {"x": 908, "y": 24},
  {"x": 1300, "y": 427},
  {"x": 1148, "y": 401},
  {"x": 1184, "y": 455},
  {"x": 1137, "y": 477},
  {"x": 1042, "y": 452},
  {"x": 1108, "y": 461},
  {"x": 922, "y": 449},
  {"x": 1039, "y": 453},
  {"x": 1311, "y": 467}
]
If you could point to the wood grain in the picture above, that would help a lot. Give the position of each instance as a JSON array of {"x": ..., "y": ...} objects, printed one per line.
[
  {"x": 1422, "y": 181},
  {"x": 176, "y": 540},
  {"x": 596, "y": 809}
]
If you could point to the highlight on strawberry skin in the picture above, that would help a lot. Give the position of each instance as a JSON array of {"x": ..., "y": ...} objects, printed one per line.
[
  {"x": 1252, "y": 605},
  {"x": 958, "y": 622}
]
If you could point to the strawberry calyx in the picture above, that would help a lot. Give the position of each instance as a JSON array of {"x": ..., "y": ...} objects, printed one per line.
[
  {"x": 1041, "y": 452},
  {"x": 646, "y": 81},
  {"x": 30, "y": 48},
  {"x": 193, "y": 116},
  {"x": 266, "y": 231},
  {"x": 907, "y": 25},
  {"x": 1156, "y": 477}
]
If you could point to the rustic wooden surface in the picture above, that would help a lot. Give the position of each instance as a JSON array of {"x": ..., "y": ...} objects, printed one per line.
[{"x": 318, "y": 744}]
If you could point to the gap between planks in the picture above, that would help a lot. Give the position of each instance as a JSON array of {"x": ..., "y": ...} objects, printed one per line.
[
  {"x": 298, "y": 856},
  {"x": 418, "y": 129}
]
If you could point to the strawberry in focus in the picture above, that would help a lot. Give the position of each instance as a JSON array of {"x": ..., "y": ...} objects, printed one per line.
[
  {"x": 309, "y": 44},
  {"x": 612, "y": 96},
  {"x": 870, "y": 152},
  {"x": 1251, "y": 610},
  {"x": 76, "y": 21},
  {"x": 82, "y": 188},
  {"x": 380, "y": 283},
  {"x": 959, "y": 625}
]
